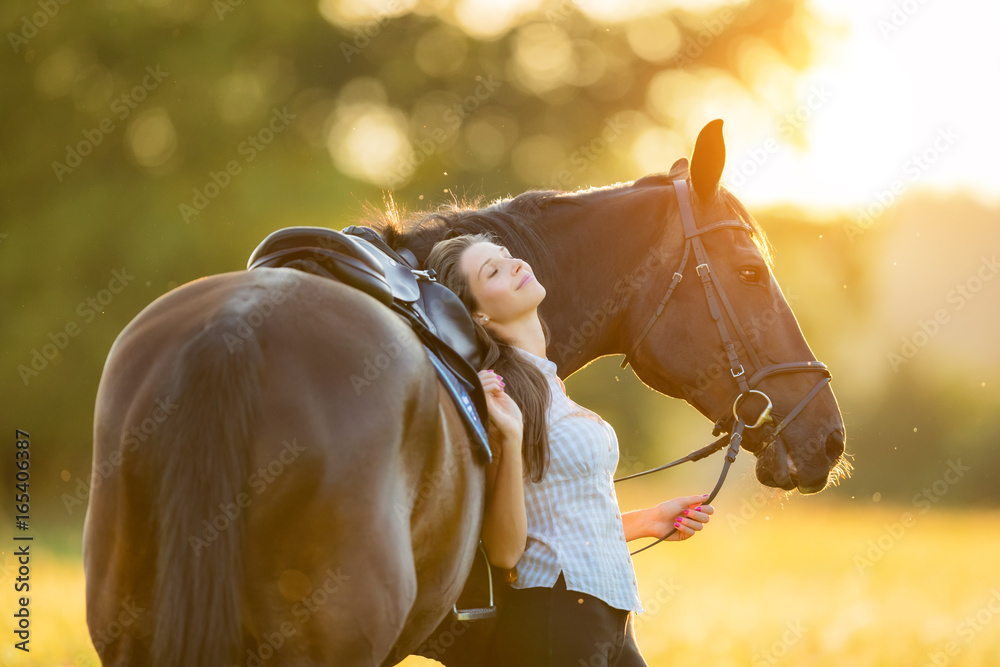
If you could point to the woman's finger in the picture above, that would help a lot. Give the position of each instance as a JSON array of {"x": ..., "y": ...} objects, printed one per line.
[
  {"x": 682, "y": 530},
  {"x": 492, "y": 386},
  {"x": 687, "y": 526},
  {"x": 698, "y": 515}
]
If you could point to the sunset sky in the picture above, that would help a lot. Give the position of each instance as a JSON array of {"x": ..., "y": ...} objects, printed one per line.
[
  {"x": 899, "y": 95},
  {"x": 912, "y": 96}
]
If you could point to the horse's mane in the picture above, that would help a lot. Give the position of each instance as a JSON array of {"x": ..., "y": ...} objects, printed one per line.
[
  {"x": 757, "y": 234},
  {"x": 513, "y": 220}
]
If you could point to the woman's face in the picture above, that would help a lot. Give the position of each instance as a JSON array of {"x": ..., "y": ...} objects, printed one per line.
[{"x": 504, "y": 287}]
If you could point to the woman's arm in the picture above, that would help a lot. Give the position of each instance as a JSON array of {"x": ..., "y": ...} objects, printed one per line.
[
  {"x": 686, "y": 513},
  {"x": 505, "y": 522}
]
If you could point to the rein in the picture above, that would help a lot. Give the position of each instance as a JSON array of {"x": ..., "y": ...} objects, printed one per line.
[{"x": 714, "y": 295}]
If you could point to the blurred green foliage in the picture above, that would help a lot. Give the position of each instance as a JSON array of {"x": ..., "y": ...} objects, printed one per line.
[{"x": 146, "y": 105}]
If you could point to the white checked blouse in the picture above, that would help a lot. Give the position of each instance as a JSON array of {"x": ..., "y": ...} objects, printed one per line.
[{"x": 574, "y": 522}]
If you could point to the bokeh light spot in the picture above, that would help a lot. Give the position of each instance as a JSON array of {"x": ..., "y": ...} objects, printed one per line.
[
  {"x": 654, "y": 38},
  {"x": 441, "y": 51},
  {"x": 369, "y": 142},
  {"x": 151, "y": 137}
]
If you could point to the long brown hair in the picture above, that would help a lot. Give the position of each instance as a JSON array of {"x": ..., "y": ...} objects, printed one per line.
[{"x": 524, "y": 382}]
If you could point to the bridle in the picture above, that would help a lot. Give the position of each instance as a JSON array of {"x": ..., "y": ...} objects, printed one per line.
[{"x": 715, "y": 294}]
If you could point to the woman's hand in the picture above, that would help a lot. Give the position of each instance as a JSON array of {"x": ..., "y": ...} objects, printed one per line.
[
  {"x": 506, "y": 424},
  {"x": 686, "y": 514}
]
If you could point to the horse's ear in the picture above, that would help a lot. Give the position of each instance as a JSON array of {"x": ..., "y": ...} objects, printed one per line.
[
  {"x": 708, "y": 160},
  {"x": 679, "y": 166}
]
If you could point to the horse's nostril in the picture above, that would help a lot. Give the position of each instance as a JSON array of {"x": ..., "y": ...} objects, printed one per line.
[{"x": 835, "y": 444}]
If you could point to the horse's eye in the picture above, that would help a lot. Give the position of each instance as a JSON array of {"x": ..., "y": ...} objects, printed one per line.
[{"x": 749, "y": 276}]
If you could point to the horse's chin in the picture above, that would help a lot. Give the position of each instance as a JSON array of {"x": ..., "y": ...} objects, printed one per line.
[{"x": 776, "y": 468}]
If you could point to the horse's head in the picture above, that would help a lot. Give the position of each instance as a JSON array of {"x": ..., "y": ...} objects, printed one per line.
[{"x": 729, "y": 292}]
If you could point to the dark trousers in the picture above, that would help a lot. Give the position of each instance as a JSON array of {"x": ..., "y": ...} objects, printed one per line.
[{"x": 554, "y": 627}]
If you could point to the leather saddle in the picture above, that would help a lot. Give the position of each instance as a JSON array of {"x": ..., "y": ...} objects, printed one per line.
[{"x": 360, "y": 258}]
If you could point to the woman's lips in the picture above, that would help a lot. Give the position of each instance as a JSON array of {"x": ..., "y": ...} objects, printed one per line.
[{"x": 524, "y": 280}]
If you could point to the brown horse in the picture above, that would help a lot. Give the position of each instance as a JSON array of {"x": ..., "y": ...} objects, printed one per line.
[{"x": 283, "y": 480}]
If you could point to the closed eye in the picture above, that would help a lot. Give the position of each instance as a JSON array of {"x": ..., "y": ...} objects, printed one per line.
[{"x": 495, "y": 270}]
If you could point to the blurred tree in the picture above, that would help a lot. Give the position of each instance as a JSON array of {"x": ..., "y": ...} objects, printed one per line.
[{"x": 163, "y": 140}]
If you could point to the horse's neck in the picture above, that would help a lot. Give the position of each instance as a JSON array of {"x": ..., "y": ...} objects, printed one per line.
[{"x": 599, "y": 252}]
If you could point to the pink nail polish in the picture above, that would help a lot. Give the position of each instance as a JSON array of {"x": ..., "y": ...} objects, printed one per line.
[
  {"x": 677, "y": 524},
  {"x": 686, "y": 512},
  {"x": 698, "y": 508}
]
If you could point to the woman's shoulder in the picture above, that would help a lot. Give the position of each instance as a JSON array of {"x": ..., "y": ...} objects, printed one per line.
[{"x": 547, "y": 367}]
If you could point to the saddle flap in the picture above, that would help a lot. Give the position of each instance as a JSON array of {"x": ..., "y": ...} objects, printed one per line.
[
  {"x": 450, "y": 320},
  {"x": 399, "y": 276}
]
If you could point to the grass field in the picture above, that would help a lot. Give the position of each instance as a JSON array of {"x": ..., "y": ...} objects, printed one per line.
[{"x": 798, "y": 583}]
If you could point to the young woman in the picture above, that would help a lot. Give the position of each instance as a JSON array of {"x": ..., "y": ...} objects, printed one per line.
[{"x": 551, "y": 510}]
